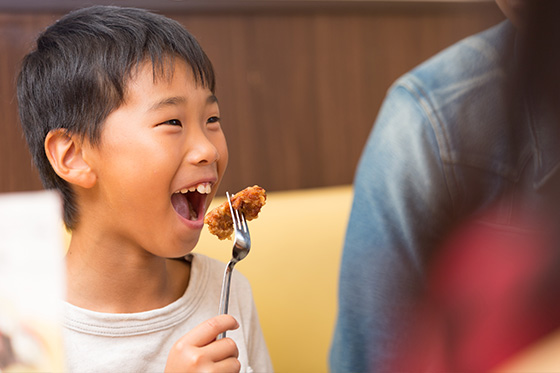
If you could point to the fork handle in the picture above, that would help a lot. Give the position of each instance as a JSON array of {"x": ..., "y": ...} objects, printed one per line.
[{"x": 224, "y": 297}]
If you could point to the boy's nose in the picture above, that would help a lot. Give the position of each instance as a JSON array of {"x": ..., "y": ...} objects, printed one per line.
[{"x": 200, "y": 150}]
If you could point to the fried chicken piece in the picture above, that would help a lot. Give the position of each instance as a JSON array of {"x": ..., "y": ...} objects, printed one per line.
[{"x": 249, "y": 201}]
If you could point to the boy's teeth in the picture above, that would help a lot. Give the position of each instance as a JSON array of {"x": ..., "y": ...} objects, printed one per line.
[{"x": 202, "y": 188}]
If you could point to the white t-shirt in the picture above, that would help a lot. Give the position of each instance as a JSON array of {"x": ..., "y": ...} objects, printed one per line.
[{"x": 140, "y": 342}]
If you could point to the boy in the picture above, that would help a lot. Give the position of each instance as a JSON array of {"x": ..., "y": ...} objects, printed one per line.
[{"x": 118, "y": 108}]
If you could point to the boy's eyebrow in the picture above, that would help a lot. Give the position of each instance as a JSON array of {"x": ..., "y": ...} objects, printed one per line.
[
  {"x": 171, "y": 101},
  {"x": 212, "y": 99}
]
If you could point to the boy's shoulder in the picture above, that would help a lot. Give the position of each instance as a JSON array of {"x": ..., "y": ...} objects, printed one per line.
[{"x": 208, "y": 269}]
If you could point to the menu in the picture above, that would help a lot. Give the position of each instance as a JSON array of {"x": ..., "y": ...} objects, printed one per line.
[{"x": 31, "y": 282}]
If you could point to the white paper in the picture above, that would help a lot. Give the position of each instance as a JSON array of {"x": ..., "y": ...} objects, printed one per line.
[{"x": 31, "y": 281}]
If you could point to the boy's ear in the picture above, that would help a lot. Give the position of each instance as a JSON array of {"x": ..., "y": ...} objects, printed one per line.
[{"x": 65, "y": 153}]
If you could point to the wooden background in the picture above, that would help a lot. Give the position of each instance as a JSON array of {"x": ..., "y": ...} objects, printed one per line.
[{"x": 299, "y": 87}]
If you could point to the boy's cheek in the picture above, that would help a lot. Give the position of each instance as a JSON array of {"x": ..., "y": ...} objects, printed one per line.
[{"x": 224, "y": 159}]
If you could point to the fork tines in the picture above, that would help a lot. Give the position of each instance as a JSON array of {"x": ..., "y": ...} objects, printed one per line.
[{"x": 237, "y": 216}]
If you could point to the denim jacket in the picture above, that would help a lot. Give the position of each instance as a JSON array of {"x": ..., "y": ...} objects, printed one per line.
[{"x": 444, "y": 146}]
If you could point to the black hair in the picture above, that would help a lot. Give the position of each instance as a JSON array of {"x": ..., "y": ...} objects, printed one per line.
[{"x": 78, "y": 72}]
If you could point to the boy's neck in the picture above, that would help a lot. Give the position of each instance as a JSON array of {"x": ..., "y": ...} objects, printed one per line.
[{"x": 103, "y": 279}]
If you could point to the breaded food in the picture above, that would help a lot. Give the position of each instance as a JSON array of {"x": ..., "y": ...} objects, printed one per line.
[{"x": 249, "y": 201}]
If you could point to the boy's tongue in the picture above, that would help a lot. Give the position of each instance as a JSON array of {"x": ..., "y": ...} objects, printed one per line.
[{"x": 183, "y": 206}]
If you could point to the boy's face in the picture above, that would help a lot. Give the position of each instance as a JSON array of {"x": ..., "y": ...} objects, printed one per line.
[{"x": 165, "y": 138}]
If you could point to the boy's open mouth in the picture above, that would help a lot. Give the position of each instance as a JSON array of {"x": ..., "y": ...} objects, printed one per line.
[{"x": 190, "y": 202}]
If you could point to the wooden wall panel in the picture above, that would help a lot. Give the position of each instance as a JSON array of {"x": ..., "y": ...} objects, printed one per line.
[
  {"x": 16, "y": 33},
  {"x": 298, "y": 91}
]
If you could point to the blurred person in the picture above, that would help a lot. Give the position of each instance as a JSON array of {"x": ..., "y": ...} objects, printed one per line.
[{"x": 467, "y": 139}]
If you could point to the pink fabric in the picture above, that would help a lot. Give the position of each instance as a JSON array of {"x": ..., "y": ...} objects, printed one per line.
[{"x": 492, "y": 292}]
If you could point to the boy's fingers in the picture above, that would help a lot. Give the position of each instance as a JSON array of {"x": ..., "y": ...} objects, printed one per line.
[
  {"x": 207, "y": 332},
  {"x": 221, "y": 350},
  {"x": 228, "y": 365}
]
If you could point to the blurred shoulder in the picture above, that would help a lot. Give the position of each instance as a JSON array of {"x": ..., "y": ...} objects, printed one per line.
[{"x": 473, "y": 63}]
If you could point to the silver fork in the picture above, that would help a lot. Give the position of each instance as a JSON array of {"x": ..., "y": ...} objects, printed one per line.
[{"x": 241, "y": 247}]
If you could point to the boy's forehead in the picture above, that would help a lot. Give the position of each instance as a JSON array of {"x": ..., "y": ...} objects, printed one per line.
[
  {"x": 162, "y": 70},
  {"x": 148, "y": 75},
  {"x": 156, "y": 73}
]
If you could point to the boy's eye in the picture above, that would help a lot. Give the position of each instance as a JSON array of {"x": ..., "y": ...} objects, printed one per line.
[
  {"x": 213, "y": 119},
  {"x": 173, "y": 122}
]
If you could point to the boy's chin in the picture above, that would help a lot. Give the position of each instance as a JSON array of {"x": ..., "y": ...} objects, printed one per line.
[
  {"x": 179, "y": 255},
  {"x": 183, "y": 249}
]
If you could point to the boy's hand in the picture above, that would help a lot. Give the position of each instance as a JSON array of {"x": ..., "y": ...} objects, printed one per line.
[{"x": 199, "y": 351}]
